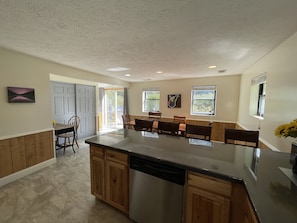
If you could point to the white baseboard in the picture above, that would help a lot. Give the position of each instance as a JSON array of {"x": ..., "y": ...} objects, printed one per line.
[
  {"x": 15, "y": 176},
  {"x": 273, "y": 148}
]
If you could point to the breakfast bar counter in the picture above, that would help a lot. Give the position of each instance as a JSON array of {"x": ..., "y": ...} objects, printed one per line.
[{"x": 266, "y": 175}]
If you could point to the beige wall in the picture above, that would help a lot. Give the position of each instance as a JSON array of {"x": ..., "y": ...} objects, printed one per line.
[
  {"x": 227, "y": 97},
  {"x": 232, "y": 102},
  {"x": 281, "y": 95},
  {"x": 21, "y": 70}
]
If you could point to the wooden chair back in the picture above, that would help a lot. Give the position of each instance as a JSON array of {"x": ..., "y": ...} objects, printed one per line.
[
  {"x": 242, "y": 137},
  {"x": 198, "y": 132},
  {"x": 170, "y": 128},
  {"x": 154, "y": 115},
  {"x": 74, "y": 121},
  {"x": 179, "y": 119},
  {"x": 143, "y": 125},
  {"x": 126, "y": 121}
]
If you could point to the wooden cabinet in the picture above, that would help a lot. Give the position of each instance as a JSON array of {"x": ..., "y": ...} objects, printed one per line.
[
  {"x": 242, "y": 210},
  {"x": 249, "y": 214},
  {"x": 116, "y": 172},
  {"x": 109, "y": 177},
  {"x": 207, "y": 199},
  {"x": 97, "y": 171}
]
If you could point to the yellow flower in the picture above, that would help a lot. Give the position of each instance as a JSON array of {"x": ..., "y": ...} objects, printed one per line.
[
  {"x": 287, "y": 130},
  {"x": 54, "y": 122},
  {"x": 279, "y": 130}
]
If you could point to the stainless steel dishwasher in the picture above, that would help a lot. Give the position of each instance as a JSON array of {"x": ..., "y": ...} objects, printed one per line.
[{"x": 156, "y": 191}]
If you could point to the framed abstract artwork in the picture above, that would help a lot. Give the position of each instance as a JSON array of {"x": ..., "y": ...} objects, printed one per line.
[
  {"x": 20, "y": 95},
  {"x": 174, "y": 101}
]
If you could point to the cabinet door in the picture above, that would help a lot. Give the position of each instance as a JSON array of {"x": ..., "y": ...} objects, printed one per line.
[
  {"x": 116, "y": 178},
  {"x": 206, "y": 207},
  {"x": 249, "y": 213},
  {"x": 242, "y": 210},
  {"x": 97, "y": 176}
]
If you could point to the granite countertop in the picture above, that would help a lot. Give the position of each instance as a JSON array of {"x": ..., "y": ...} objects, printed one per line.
[{"x": 266, "y": 174}]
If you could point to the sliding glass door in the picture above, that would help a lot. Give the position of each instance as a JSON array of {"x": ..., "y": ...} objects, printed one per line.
[{"x": 113, "y": 108}]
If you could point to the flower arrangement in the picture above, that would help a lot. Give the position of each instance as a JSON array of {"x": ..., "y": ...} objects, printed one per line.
[
  {"x": 287, "y": 130},
  {"x": 54, "y": 122}
]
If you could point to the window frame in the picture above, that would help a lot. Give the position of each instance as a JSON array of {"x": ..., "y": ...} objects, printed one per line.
[
  {"x": 258, "y": 96},
  {"x": 145, "y": 107},
  {"x": 214, "y": 99}
]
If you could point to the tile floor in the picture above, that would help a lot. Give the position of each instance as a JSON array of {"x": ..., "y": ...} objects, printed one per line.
[{"x": 59, "y": 193}]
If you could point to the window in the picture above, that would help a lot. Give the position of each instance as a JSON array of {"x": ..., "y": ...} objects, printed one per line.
[
  {"x": 150, "y": 100},
  {"x": 257, "y": 96},
  {"x": 203, "y": 100},
  {"x": 261, "y": 99}
]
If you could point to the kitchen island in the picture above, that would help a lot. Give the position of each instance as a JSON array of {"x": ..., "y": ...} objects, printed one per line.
[{"x": 264, "y": 174}]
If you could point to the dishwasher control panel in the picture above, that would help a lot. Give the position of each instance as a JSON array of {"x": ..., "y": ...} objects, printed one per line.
[{"x": 158, "y": 169}]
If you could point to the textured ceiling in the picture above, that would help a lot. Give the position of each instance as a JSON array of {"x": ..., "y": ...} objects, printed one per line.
[{"x": 179, "y": 37}]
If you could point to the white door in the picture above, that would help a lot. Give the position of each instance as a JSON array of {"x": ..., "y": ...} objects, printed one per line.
[
  {"x": 71, "y": 99},
  {"x": 63, "y": 101},
  {"x": 86, "y": 110}
]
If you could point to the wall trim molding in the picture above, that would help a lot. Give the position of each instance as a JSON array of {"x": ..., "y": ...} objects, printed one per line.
[
  {"x": 268, "y": 145},
  {"x": 22, "y": 173},
  {"x": 26, "y": 133}
]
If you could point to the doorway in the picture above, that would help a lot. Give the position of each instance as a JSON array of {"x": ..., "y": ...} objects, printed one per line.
[
  {"x": 75, "y": 99},
  {"x": 113, "y": 109}
]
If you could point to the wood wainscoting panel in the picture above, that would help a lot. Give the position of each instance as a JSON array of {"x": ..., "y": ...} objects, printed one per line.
[
  {"x": 5, "y": 158},
  {"x": 21, "y": 152},
  {"x": 18, "y": 154},
  {"x": 218, "y": 130},
  {"x": 198, "y": 122},
  {"x": 30, "y": 148},
  {"x": 44, "y": 141}
]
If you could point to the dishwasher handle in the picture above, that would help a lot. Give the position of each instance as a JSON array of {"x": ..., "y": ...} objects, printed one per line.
[{"x": 158, "y": 169}]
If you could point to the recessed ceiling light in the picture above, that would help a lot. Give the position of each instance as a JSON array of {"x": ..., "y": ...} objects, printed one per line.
[
  {"x": 127, "y": 75},
  {"x": 212, "y": 66},
  {"x": 117, "y": 69},
  {"x": 159, "y": 72}
]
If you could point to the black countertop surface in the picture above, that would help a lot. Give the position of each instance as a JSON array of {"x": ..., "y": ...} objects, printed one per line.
[{"x": 266, "y": 174}]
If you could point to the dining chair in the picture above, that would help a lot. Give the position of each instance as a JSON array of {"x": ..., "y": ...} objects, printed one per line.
[
  {"x": 169, "y": 128},
  {"x": 74, "y": 121},
  {"x": 179, "y": 119},
  {"x": 198, "y": 132},
  {"x": 143, "y": 125},
  {"x": 242, "y": 137},
  {"x": 154, "y": 115},
  {"x": 126, "y": 121}
]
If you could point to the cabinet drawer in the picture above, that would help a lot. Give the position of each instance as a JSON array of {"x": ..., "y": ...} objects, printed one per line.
[
  {"x": 117, "y": 157},
  {"x": 96, "y": 151},
  {"x": 208, "y": 183}
]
